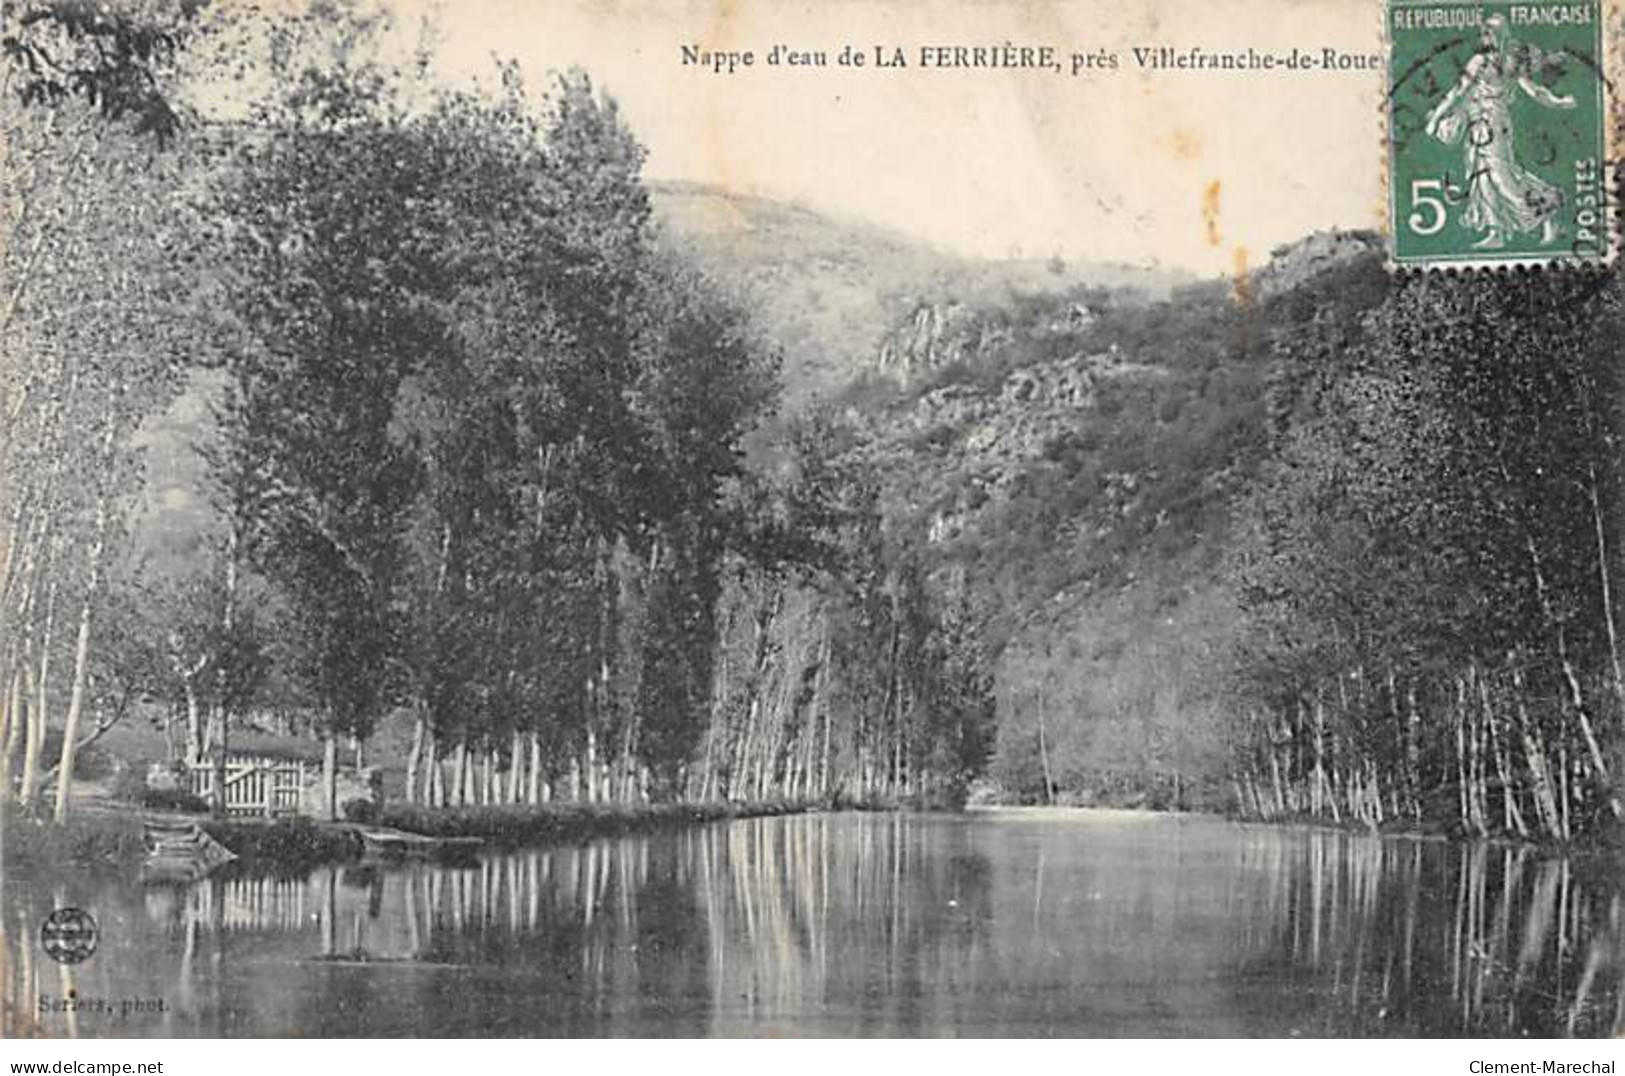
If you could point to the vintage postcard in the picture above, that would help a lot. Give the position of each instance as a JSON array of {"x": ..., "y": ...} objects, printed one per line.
[{"x": 739, "y": 518}]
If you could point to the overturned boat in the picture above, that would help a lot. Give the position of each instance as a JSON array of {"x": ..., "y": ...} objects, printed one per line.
[{"x": 180, "y": 851}]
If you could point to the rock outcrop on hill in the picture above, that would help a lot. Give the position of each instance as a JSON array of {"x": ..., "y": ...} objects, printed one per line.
[
  {"x": 1077, "y": 466},
  {"x": 1293, "y": 264}
]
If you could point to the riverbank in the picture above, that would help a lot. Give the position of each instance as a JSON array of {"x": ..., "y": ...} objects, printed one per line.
[
  {"x": 106, "y": 837},
  {"x": 1607, "y": 841},
  {"x": 91, "y": 838},
  {"x": 300, "y": 842},
  {"x": 1607, "y": 847},
  {"x": 549, "y": 823},
  {"x": 110, "y": 836}
]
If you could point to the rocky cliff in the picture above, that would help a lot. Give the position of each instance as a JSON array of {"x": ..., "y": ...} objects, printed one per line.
[{"x": 1076, "y": 462}]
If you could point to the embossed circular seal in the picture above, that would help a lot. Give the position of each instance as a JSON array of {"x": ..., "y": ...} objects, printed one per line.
[{"x": 68, "y": 935}]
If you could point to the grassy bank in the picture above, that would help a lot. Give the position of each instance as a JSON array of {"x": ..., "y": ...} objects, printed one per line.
[
  {"x": 108, "y": 839},
  {"x": 89, "y": 839},
  {"x": 286, "y": 844},
  {"x": 514, "y": 825}
]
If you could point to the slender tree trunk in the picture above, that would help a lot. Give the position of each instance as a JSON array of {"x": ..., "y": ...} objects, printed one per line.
[
  {"x": 1608, "y": 619},
  {"x": 18, "y": 707},
  {"x": 886, "y": 720},
  {"x": 1576, "y": 696},
  {"x": 1512, "y": 816},
  {"x": 824, "y": 763},
  {"x": 1276, "y": 782},
  {"x": 15, "y": 542},
  {"x": 81, "y": 655},
  {"x": 228, "y": 625},
  {"x": 533, "y": 791},
  {"x": 707, "y": 774},
  {"x": 1535, "y": 756},
  {"x": 1043, "y": 751},
  {"x": 1323, "y": 786},
  {"x": 219, "y": 804},
  {"x": 516, "y": 765},
  {"x": 459, "y": 773},
  {"x": 194, "y": 724},
  {"x": 1413, "y": 751},
  {"x": 1401, "y": 738},
  {"x": 1461, "y": 761},
  {"x": 330, "y": 774},
  {"x": 29, "y": 718},
  {"x": 897, "y": 750},
  {"x": 1593, "y": 747},
  {"x": 625, "y": 768},
  {"x": 590, "y": 766},
  {"x": 738, "y": 773},
  {"x": 38, "y": 713},
  {"x": 1563, "y": 791},
  {"x": 414, "y": 757},
  {"x": 1478, "y": 771},
  {"x": 436, "y": 792}
]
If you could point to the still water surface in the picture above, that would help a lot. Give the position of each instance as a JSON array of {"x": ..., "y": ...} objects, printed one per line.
[{"x": 1027, "y": 923}]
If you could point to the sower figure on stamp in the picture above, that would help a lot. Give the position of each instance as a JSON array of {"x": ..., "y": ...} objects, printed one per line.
[{"x": 1503, "y": 197}]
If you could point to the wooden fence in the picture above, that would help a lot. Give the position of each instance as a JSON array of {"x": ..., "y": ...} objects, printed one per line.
[{"x": 255, "y": 785}]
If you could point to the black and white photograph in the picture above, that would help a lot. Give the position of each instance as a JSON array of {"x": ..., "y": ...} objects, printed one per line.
[{"x": 753, "y": 519}]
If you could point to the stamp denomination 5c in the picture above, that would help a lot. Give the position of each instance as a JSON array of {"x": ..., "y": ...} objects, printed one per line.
[{"x": 1497, "y": 133}]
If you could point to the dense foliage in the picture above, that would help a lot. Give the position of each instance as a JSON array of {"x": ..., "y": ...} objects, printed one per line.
[
  {"x": 479, "y": 458},
  {"x": 1328, "y": 544},
  {"x": 1430, "y": 571}
]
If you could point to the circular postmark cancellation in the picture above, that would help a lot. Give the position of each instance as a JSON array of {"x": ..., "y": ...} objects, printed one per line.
[
  {"x": 1498, "y": 139},
  {"x": 68, "y": 935}
]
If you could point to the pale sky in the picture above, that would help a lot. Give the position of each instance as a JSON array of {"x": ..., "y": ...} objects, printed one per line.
[{"x": 1115, "y": 166}]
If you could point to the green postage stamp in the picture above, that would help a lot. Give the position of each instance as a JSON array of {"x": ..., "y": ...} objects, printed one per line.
[{"x": 1498, "y": 133}]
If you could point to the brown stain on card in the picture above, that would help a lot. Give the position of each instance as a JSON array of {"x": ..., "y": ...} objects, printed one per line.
[
  {"x": 1210, "y": 211},
  {"x": 1241, "y": 285}
]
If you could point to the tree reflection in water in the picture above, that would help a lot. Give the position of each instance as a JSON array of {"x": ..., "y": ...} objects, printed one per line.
[
  {"x": 1468, "y": 939},
  {"x": 866, "y": 924}
]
